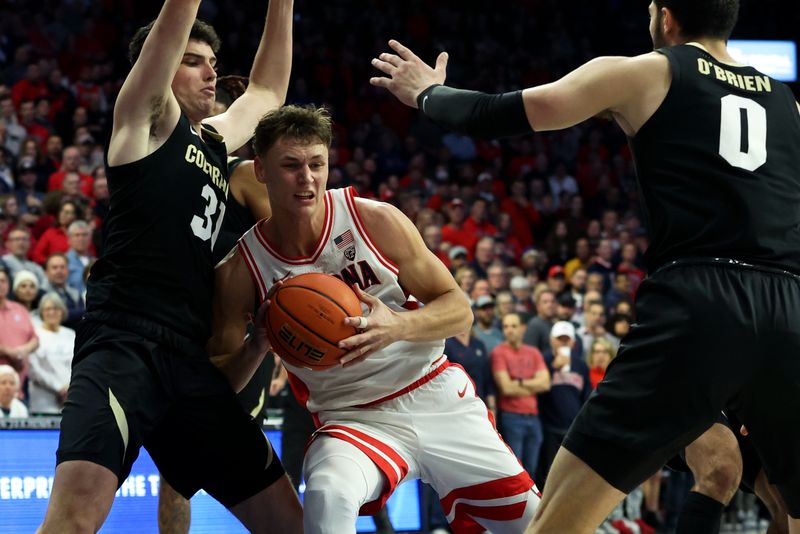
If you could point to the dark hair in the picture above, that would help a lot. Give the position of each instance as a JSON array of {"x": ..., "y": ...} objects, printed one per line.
[
  {"x": 229, "y": 88},
  {"x": 302, "y": 123},
  {"x": 201, "y": 31},
  {"x": 702, "y": 18}
]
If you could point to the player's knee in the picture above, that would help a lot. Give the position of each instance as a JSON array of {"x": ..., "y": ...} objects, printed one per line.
[
  {"x": 720, "y": 481},
  {"x": 326, "y": 491}
]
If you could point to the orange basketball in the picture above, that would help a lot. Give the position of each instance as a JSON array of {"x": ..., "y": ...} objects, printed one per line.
[{"x": 305, "y": 320}]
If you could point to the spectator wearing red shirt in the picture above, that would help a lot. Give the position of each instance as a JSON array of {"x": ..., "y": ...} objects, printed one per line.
[
  {"x": 453, "y": 232},
  {"x": 520, "y": 373},
  {"x": 55, "y": 238},
  {"x": 27, "y": 120},
  {"x": 31, "y": 87},
  {"x": 477, "y": 224},
  {"x": 70, "y": 162},
  {"x": 523, "y": 215},
  {"x": 485, "y": 256}
]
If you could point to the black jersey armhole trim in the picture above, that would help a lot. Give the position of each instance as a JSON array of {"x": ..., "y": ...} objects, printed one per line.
[
  {"x": 139, "y": 161},
  {"x": 673, "y": 87}
]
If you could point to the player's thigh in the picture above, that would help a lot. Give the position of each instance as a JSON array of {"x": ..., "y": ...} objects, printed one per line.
[
  {"x": 210, "y": 443},
  {"x": 674, "y": 373},
  {"x": 114, "y": 401}
]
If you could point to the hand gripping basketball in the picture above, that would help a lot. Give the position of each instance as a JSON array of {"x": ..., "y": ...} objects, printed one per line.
[{"x": 381, "y": 328}]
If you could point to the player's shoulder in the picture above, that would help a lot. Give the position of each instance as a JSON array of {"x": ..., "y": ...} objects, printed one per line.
[{"x": 377, "y": 212}]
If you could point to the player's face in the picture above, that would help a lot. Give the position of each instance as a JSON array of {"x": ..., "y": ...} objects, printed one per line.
[
  {"x": 296, "y": 173},
  {"x": 194, "y": 85}
]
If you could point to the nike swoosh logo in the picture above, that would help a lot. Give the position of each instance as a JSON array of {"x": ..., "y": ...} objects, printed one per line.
[{"x": 463, "y": 391}]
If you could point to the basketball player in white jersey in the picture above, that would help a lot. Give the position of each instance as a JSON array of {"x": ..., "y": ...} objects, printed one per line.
[{"x": 396, "y": 409}]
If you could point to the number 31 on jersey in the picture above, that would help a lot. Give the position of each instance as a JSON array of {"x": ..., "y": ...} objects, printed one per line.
[{"x": 205, "y": 227}]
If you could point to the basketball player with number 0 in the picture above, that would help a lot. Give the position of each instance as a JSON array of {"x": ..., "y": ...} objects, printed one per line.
[{"x": 717, "y": 151}]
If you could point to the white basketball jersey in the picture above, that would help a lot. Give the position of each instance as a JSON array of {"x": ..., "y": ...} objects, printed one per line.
[{"x": 346, "y": 251}]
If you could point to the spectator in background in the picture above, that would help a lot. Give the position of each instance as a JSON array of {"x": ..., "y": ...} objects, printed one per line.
[
  {"x": 478, "y": 224},
  {"x": 569, "y": 388},
  {"x": 18, "y": 244},
  {"x": 34, "y": 130},
  {"x": 465, "y": 278},
  {"x": 621, "y": 291},
  {"x": 25, "y": 290},
  {"x": 602, "y": 264},
  {"x": 54, "y": 240},
  {"x": 28, "y": 198},
  {"x": 523, "y": 215},
  {"x": 79, "y": 255},
  {"x": 595, "y": 282},
  {"x": 520, "y": 373},
  {"x": 556, "y": 281},
  {"x": 582, "y": 259},
  {"x": 503, "y": 305},
  {"x": 561, "y": 183},
  {"x": 479, "y": 289},
  {"x": 599, "y": 355},
  {"x": 458, "y": 259},
  {"x": 537, "y": 331},
  {"x": 51, "y": 363},
  {"x": 484, "y": 256},
  {"x": 521, "y": 290},
  {"x": 470, "y": 353},
  {"x": 497, "y": 276},
  {"x": 619, "y": 325},
  {"x": 10, "y": 405},
  {"x": 70, "y": 163},
  {"x": 566, "y": 308},
  {"x": 57, "y": 274},
  {"x": 15, "y": 132},
  {"x": 453, "y": 232},
  {"x": 485, "y": 326},
  {"x": 595, "y": 325},
  {"x": 17, "y": 337}
]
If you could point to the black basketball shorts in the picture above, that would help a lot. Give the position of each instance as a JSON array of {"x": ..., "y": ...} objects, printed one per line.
[
  {"x": 127, "y": 391},
  {"x": 711, "y": 335}
]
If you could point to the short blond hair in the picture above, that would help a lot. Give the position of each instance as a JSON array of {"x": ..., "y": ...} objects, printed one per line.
[{"x": 612, "y": 350}]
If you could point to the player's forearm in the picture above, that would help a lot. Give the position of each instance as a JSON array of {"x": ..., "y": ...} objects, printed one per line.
[
  {"x": 475, "y": 113},
  {"x": 240, "y": 365},
  {"x": 272, "y": 65},
  {"x": 445, "y": 316}
]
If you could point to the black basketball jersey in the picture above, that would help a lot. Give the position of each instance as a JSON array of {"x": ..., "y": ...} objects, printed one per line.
[
  {"x": 166, "y": 213},
  {"x": 238, "y": 220},
  {"x": 719, "y": 165}
]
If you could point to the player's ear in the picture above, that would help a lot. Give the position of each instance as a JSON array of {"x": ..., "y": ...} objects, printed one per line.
[
  {"x": 258, "y": 168},
  {"x": 669, "y": 26}
]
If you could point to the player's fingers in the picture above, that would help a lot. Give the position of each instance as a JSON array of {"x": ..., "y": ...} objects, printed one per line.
[
  {"x": 383, "y": 66},
  {"x": 358, "y": 355},
  {"x": 357, "y": 340},
  {"x": 390, "y": 58},
  {"x": 401, "y": 50},
  {"x": 380, "y": 82},
  {"x": 366, "y": 297},
  {"x": 360, "y": 322}
]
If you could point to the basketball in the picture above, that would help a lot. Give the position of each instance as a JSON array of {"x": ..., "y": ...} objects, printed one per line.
[{"x": 305, "y": 320}]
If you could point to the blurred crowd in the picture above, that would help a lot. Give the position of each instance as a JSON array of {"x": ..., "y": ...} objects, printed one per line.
[{"x": 542, "y": 232}]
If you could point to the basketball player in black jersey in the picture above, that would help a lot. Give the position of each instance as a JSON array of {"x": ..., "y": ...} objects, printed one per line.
[
  {"x": 248, "y": 202},
  {"x": 141, "y": 374},
  {"x": 717, "y": 150}
]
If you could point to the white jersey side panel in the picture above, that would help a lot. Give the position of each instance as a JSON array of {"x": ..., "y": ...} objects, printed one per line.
[{"x": 345, "y": 250}]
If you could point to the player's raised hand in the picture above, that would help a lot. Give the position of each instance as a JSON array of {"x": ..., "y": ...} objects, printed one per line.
[
  {"x": 378, "y": 330},
  {"x": 407, "y": 74}
]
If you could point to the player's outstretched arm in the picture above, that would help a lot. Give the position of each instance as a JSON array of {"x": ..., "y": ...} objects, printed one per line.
[
  {"x": 446, "y": 312},
  {"x": 236, "y": 354},
  {"x": 269, "y": 78},
  {"x": 620, "y": 85},
  {"x": 145, "y": 104}
]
